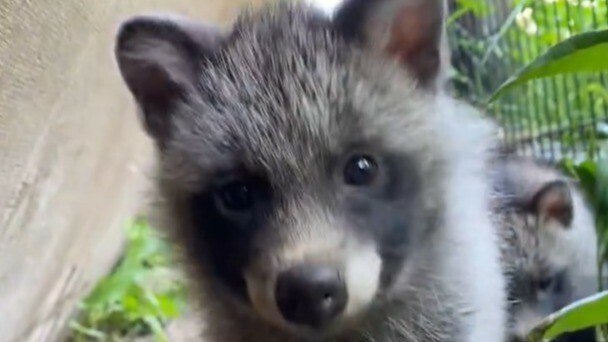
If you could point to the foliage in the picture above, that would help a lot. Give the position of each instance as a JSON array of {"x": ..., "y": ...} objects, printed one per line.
[
  {"x": 476, "y": 7},
  {"x": 490, "y": 47},
  {"x": 138, "y": 297}
]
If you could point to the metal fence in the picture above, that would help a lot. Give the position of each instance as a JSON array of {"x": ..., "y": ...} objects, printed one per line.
[{"x": 564, "y": 116}]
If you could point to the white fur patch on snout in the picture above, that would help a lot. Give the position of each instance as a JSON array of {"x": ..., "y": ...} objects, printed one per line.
[
  {"x": 359, "y": 265},
  {"x": 362, "y": 276}
]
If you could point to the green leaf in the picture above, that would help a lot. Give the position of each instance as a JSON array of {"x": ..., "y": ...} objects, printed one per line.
[
  {"x": 169, "y": 307},
  {"x": 588, "y": 312},
  {"x": 567, "y": 166},
  {"x": 583, "y": 52},
  {"x": 140, "y": 293},
  {"x": 586, "y": 174},
  {"x": 157, "y": 328},
  {"x": 91, "y": 333},
  {"x": 602, "y": 185},
  {"x": 601, "y": 208}
]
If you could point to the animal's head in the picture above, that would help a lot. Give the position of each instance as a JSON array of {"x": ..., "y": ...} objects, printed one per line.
[
  {"x": 551, "y": 235},
  {"x": 300, "y": 159}
]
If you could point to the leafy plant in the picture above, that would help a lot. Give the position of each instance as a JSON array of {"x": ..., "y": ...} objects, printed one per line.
[
  {"x": 468, "y": 6},
  {"x": 583, "y": 52},
  {"x": 490, "y": 47},
  {"x": 138, "y": 297}
]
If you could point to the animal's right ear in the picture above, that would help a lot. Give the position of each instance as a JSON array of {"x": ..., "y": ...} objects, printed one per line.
[
  {"x": 554, "y": 202},
  {"x": 411, "y": 31},
  {"x": 160, "y": 59}
]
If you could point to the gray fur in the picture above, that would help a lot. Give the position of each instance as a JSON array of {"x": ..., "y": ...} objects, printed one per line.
[
  {"x": 549, "y": 262},
  {"x": 285, "y": 98}
]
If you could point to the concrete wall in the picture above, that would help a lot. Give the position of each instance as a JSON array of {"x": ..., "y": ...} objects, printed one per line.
[{"x": 72, "y": 157}]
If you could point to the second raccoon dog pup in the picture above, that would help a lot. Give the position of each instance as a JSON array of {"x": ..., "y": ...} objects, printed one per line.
[
  {"x": 322, "y": 186},
  {"x": 549, "y": 243}
]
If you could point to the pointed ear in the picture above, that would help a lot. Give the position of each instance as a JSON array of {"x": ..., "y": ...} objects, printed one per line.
[
  {"x": 410, "y": 30},
  {"x": 554, "y": 202},
  {"x": 160, "y": 59}
]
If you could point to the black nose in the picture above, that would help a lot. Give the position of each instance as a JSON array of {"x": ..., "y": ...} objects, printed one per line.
[{"x": 310, "y": 295}]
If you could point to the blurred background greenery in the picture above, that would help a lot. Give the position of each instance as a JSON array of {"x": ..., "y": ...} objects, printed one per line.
[{"x": 562, "y": 116}]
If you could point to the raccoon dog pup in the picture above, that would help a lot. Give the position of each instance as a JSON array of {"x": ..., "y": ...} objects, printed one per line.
[
  {"x": 321, "y": 185},
  {"x": 550, "y": 243}
]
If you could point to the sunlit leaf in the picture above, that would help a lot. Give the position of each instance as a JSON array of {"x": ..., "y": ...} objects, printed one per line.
[
  {"x": 586, "y": 174},
  {"x": 157, "y": 328}
]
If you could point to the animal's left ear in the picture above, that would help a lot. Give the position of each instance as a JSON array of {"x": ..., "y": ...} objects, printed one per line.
[
  {"x": 410, "y": 30},
  {"x": 554, "y": 202}
]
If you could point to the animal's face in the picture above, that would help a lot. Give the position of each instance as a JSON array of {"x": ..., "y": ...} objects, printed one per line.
[
  {"x": 542, "y": 231},
  {"x": 333, "y": 228},
  {"x": 540, "y": 288},
  {"x": 299, "y": 162},
  {"x": 539, "y": 291}
]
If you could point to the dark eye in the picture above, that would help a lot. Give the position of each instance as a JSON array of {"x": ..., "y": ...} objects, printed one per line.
[
  {"x": 236, "y": 196},
  {"x": 545, "y": 283},
  {"x": 360, "y": 170}
]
